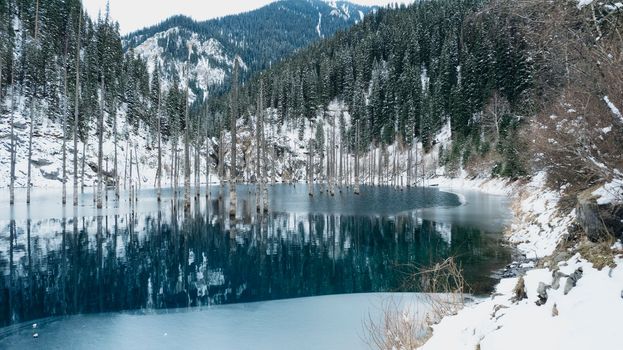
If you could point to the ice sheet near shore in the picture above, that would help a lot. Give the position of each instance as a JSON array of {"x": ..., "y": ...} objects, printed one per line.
[{"x": 328, "y": 322}]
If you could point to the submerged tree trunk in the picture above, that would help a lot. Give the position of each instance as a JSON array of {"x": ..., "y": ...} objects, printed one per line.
[
  {"x": 332, "y": 162},
  {"x": 116, "y": 141},
  {"x": 130, "y": 186},
  {"x": 186, "y": 150},
  {"x": 207, "y": 146},
  {"x": 356, "y": 190},
  {"x": 258, "y": 146},
  {"x": 341, "y": 145},
  {"x": 64, "y": 197},
  {"x": 233, "y": 120},
  {"x": 76, "y": 109},
  {"x": 221, "y": 163},
  {"x": 33, "y": 111},
  {"x": 13, "y": 151},
  {"x": 138, "y": 173},
  {"x": 100, "y": 146},
  {"x": 265, "y": 165},
  {"x": 272, "y": 153},
  {"x": 32, "y": 123},
  {"x": 159, "y": 171}
]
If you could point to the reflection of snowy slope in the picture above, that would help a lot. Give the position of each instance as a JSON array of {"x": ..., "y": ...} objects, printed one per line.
[{"x": 445, "y": 231}]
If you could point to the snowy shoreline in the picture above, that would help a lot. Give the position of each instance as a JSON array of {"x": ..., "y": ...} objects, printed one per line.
[{"x": 568, "y": 316}]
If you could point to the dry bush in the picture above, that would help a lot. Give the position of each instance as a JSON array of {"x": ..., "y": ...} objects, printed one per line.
[
  {"x": 407, "y": 326},
  {"x": 578, "y": 56}
]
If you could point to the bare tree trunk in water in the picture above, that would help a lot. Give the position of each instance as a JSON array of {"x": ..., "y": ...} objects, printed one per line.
[
  {"x": 265, "y": 165},
  {"x": 130, "y": 187},
  {"x": 159, "y": 185},
  {"x": 100, "y": 147},
  {"x": 207, "y": 146},
  {"x": 258, "y": 146},
  {"x": 64, "y": 197},
  {"x": 76, "y": 109},
  {"x": 310, "y": 165},
  {"x": 84, "y": 144},
  {"x": 332, "y": 162},
  {"x": 409, "y": 163},
  {"x": 187, "y": 147},
  {"x": 32, "y": 123},
  {"x": 221, "y": 163},
  {"x": 138, "y": 173},
  {"x": 233, "y": 119},
  {"x": 13, "y": 151},
  {"x": 33, "y": 111},
  {"x": 356, "y": 190},
  {"x": 272, "y": 152},
  {"x": 116, "y": 141},
  {"x": 341, "y": 145}
]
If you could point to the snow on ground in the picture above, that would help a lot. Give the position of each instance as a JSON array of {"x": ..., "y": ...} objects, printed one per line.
[
  {"x": 495, "y": 186},
  {"x": 611, "y": 192},
  {"x": 582, "y": 3},
  {"x": 586, "y": 318},
  {"x": 539, "y": 225}
]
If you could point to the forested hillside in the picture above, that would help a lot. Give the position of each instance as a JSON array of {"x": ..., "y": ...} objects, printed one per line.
[{"x": 404, "y": 72}]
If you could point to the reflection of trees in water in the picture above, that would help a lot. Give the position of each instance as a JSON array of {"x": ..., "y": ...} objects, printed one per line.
[{"x": 111, "y": 263}]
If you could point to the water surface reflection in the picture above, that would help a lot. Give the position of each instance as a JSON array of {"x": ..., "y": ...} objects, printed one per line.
[{"x": 129, "y": 260}]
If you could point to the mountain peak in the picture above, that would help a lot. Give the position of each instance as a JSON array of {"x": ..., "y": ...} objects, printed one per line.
[{"x": 260, "y": 37}]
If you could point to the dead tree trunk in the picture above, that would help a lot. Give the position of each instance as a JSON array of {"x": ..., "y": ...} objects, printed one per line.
[
  {"x": 33, "y": 111},
  {"x": 356, "y": 190},
  {"x": 13, "y": 151},
  {"x": 221, "y": 163},
  {"x": 272, "y": 154},
  {"x": 265, "y": 165},
  {"x": 100, "y": 147},
  {"x": 159, "y": 171},
  {"x": 76, "y": 109},
  {"x": 64, "y": 196},
  {"x": 258, "y": 146},
  {"x": 186, "y": 148},
  {"x": 332, "y": 162},
  {"x": 116, "y": 141},
  {"x": 233, "y": 119}
]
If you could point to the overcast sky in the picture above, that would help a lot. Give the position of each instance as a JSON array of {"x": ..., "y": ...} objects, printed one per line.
[{"x": 136, "y": 14}]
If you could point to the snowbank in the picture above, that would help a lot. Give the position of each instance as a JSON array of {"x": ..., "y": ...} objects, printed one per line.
[{"x": 585, "y": 318}]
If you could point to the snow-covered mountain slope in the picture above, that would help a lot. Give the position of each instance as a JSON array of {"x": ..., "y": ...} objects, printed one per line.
[
  {"x": 261, "y": 38},
  {"x": 209, "y": 64}
]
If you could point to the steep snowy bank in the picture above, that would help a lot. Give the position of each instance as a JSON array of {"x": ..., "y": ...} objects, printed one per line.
[{"x": 577, "y": 303}]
